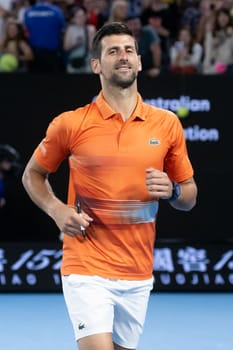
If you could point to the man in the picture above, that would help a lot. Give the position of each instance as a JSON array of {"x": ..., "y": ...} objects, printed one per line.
[
  {"x": 148, "y": 45},
  {"x": 9, "y": 165},
  {"x": 124, "y": 156},
  {"x": 45, "y": 23}
]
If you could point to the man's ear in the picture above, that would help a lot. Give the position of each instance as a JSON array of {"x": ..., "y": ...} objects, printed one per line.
[
  {"x": 139, "y": 63},
  {"x": 95, "y": 65}
]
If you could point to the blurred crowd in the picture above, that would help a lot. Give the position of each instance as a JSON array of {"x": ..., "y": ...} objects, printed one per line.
[{"x": 176, "y": 36}]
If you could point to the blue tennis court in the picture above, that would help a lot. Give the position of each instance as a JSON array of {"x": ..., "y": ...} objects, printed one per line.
[{"x": 175, "y": 321}]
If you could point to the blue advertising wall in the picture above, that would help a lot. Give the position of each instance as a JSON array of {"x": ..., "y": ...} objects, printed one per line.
[{"x": 194, "y": 250}]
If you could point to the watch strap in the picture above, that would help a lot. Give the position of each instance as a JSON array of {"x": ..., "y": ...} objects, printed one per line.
[{"x": 175, "y": 191}]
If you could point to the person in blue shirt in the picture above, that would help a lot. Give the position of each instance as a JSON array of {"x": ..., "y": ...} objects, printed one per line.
[{"x": 45, "y": 23}]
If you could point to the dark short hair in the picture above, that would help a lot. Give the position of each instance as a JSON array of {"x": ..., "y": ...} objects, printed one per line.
[{"x": 113, "y": 28}]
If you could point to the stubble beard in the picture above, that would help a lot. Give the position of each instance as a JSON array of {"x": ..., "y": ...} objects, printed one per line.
[{"x": 123, "y": 82}]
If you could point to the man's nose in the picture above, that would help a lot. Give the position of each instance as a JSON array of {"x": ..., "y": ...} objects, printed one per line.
[{"x": 123, "y": 55}]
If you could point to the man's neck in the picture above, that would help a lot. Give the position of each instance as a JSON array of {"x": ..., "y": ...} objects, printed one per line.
[{"x": 122, "y": 101}]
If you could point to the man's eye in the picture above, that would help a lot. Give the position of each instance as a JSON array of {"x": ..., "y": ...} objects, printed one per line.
[{"x": 112, "y": 51}]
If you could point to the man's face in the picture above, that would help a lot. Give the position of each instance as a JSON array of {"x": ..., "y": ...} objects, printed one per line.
[{"x": 119, "y": 63}]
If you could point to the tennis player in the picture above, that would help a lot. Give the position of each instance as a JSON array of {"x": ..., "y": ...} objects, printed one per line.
[{"x": 124, "y": 157}]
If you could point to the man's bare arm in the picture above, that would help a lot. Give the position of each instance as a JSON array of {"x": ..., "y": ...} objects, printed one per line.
[{"x": 36, "y": 184}]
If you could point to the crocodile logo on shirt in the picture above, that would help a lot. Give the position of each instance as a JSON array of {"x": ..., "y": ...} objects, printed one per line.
[
  {"x": 154, "y": 142},
  {"x": 81, "y": 325}
]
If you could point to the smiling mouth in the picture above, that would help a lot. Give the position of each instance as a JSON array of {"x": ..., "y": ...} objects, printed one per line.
[{"x": 123, "y": 68}]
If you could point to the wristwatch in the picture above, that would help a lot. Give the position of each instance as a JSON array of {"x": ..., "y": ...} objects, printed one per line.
[{"x": 175, "y": 192}]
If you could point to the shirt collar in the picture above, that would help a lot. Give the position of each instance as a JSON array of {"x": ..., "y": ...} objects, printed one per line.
[{"x": 107, "y": 112}]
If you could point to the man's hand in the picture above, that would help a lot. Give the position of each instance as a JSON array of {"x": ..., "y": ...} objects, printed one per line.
[
  {"x": 68, "y": 220},
  {"x": 158, "y": 184}
]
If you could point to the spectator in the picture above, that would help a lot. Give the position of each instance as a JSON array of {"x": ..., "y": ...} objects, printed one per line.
[
  {"x": 185, "y": 53},
  {"x": 20, "y": 7},
  {"x": 228, "y": 4},
  {"x": 45, "y": 24},
  {"x": 77, "y": 42},
  {"x": 102, "y": 10},
  {"x": 207, "y": 14},
  {"x": 190, "y": 13},
  {"x": 7, "y": 5},
  {"x": 219, "y": 4},
  {"x": 164, "y": 18},
  {"x": 148, "y": 46},
  {"x": 68, "y": 8},
  {"x": 92, "y": 15},
  {"x": 5, "y": 8},
  {"x": 10, "y": 164},
  {"x": 16, "y": 43},
  {"x": 119, "y": 11},
  {"x": 218, "y": 45},
  {"x": 135, "y": 7}
]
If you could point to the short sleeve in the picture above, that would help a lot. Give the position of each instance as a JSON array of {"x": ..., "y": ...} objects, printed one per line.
[{"x": 55, "y": 146}]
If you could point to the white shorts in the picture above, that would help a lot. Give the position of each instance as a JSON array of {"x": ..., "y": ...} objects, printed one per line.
[{"x": 102, "y": 305}]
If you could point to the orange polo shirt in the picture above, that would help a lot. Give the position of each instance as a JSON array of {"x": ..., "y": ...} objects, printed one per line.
[{"x": 108, "y": 158}]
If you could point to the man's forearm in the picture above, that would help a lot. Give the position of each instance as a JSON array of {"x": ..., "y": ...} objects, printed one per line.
[{"x": 39, "y": 190}]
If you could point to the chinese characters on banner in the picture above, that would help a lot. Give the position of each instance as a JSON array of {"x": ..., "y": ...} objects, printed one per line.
[
  {"x": 35, "y": 267},
  {"x": 205, "y": 268}
]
